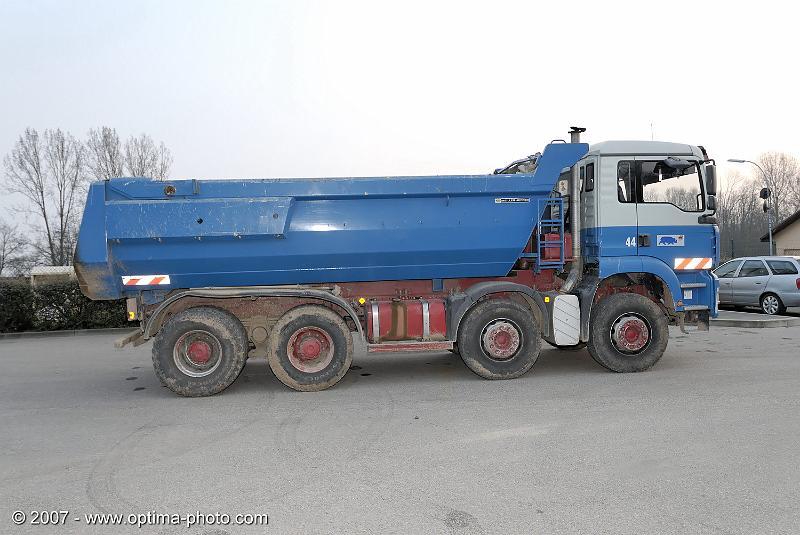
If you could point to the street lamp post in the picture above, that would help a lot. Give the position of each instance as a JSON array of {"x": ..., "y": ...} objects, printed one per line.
[{"x": 769, "y": 202}]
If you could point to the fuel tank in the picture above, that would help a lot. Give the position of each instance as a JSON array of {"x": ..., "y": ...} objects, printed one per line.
[
  {"x": 139, "y": 234},
  {"x": 400, "y": 320}
]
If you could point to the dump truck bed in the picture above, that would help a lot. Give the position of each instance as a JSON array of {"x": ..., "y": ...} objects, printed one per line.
[{"x": 141, "y": 234}]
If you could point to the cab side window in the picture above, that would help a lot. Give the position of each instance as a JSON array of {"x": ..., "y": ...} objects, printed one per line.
[
  {"x": 669, "y": 181},
  {"x": 753, "y": 268},
  {"x": 625, "y": 183},
  {"x": 678, "y": 187},
  {"x": 588, "y": 183}
]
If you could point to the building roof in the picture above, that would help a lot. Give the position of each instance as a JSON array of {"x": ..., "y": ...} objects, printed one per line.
[
  {"x": 52, "y": 270},
  {"x": 782, "y": 225}
]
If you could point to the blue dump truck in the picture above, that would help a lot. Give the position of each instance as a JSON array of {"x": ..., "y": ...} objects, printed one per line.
[{"x": 601, "y": 246}]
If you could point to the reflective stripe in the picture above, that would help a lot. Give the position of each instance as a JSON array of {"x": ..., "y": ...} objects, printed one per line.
[
  {"x": 376, "y": 323},
  {"x": 145, "y": 280},
  {"x": 693, "y": 263},
  {"x": 426, "y": 320}
]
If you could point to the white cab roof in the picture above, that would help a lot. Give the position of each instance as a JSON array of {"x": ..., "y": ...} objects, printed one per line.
[{"x": 644, "y": 148}]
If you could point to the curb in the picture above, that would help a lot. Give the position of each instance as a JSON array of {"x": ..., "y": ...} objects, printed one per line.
[
  {"x": 79, "y": 332},
  {"x": 756, "y": 324}
]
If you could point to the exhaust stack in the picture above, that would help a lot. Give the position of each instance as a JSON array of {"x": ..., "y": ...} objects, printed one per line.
[
  {"x": 575, "y": 271},
  {"x": 575, "y": 134}
]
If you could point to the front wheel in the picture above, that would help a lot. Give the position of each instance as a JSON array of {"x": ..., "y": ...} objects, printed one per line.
[{"x": 627, "y": 333}]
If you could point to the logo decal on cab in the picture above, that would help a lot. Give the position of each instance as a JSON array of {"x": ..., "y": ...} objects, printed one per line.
[{"x": 669, "y": 240}]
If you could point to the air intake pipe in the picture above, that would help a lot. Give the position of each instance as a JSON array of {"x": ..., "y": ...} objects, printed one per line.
[{"x": 574, "y": 275}]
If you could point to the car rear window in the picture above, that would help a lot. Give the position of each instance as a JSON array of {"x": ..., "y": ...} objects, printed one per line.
[{"x": 782, "y": 267}]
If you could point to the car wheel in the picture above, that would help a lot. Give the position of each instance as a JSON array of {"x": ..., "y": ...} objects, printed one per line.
[{"x": 771, "y": 304}]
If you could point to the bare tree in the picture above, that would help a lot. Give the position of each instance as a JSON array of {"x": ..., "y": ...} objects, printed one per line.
[
  {"x": 21, "y": 265},
  {"x": 144, "y": 159},
  {"x": 783, "y": 177},
  {"x": 65, "y": 161},
  {"x": 163, "y": 162},
  {"x": 12, "y": 245},
  {"x": 50, "y": 174},
  {"x": 104, "y": 154},
  {"x": 741, "y": 219}
]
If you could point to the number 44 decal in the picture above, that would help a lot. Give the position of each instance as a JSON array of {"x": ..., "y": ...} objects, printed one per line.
[{"x": 630, "y": 241}]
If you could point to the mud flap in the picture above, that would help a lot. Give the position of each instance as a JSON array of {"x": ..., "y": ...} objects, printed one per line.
[
  {"x": 134, "y": 337},
  {"x": 565, "y": 317}
]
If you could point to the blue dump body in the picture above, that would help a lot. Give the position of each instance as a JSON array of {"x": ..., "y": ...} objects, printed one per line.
[{"x": 297, "y": 231}]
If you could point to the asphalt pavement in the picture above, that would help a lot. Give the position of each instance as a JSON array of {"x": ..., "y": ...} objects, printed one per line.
[{"x": 706, "y": 442}]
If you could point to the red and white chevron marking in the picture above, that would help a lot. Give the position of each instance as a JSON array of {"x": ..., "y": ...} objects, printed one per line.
[
  {"x": 693, "y": 263},
  {"x": 145, "y": 280}
]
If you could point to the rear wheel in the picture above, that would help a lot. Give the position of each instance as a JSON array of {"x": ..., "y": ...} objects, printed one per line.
[
  {"x": 499, "y": 339},
  {"x": 200, "y": 351},
  {"x": 310, "y": 348},
  {"x": 627, "y": 333},
  {"x": 771, "y": 304}
]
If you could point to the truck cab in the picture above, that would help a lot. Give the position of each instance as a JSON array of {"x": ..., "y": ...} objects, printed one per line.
[{"x": 648, "y": 207}]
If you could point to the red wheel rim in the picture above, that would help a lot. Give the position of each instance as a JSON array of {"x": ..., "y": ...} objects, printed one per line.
[
  {"x": 197, "y": 353},
  {"x": 501, "y": 339},
  {"x": 310, "y": 349},
  {"x": 630, "y": 333}
]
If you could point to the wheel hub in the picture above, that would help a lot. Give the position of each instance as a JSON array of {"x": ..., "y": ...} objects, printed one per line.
[
  {"x": 501, "y": 340},
  {"x": 197, "y": 353},
  {"x": 310, "y": 349},
  {"x": 630, "y": 334}
]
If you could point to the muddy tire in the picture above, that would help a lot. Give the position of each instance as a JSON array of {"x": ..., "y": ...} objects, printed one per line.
[
  {"x": 310, "y": 348},
  {"x": 627, "y": 333},
  {"x": 499, "y": 339},
  {"x": 200, "y": 351}
]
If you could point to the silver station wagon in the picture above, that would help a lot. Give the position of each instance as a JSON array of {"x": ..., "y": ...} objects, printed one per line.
[{"x": 769, "y": 282}]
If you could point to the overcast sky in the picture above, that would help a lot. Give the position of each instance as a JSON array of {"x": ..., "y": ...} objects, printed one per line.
[{"x": 312, "y": 88}]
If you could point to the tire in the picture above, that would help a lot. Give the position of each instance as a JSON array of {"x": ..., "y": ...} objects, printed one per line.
[
  {"x": 314, "y": 328},
  {"x": 772, "y": 305},
  {"x": 499, "y": 339},
  {"x": 614, "y": 320},
  {"x": 576, "y": 347},
  {"x": 200, "y": 351}
]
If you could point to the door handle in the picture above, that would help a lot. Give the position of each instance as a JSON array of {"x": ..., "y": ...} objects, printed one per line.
[{"x": 644, "y": 240}]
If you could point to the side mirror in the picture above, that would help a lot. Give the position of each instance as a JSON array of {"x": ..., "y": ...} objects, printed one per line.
[
  {"x": 711, "y": 179},
  {"x": 711, "y": 203}
]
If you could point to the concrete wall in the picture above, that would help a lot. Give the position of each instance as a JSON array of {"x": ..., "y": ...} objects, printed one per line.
[{"x": 787, "y": 241}]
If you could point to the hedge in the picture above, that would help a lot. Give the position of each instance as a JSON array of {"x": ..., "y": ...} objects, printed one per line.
[{"x": 55, "y": 306}]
